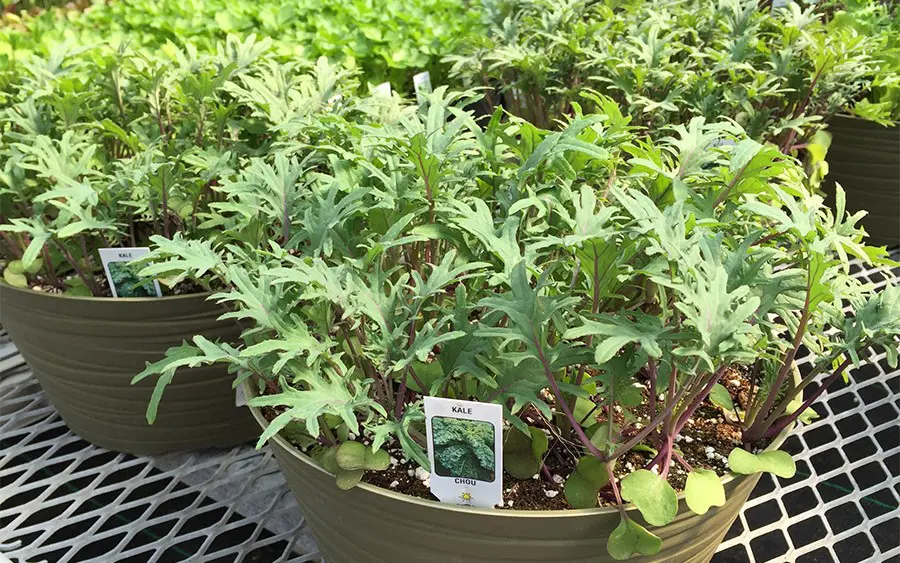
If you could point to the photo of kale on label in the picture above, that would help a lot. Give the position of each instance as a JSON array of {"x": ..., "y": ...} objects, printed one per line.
[
  {"x": 128, "y": 284},
  {"x": 463, "y": 448}
]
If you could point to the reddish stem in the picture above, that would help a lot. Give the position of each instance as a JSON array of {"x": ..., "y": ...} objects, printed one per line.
[
  {"x": 784, "y": 421},
  {"x": 698, "y": 400}
]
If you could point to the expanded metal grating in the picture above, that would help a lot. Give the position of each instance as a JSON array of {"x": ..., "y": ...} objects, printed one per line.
[
  {"x": 842, "y": 505},
  {"x": 64, "y": 500}
]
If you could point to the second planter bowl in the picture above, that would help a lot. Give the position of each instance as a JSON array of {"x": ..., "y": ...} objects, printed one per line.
[{"x": 85, "y": 350}]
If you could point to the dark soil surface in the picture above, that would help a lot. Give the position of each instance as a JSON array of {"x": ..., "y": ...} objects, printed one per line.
[{"x": 705, "y": 442}]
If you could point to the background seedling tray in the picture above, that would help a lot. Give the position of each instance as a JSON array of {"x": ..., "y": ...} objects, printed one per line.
[{"x": 64, "y": 500}]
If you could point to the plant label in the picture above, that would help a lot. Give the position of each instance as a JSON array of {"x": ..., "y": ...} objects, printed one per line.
[
  {"x": 779, "y": 4},
  {"x": 722, "y": 143},
  {"x": 383, "y": 90},
  {"x": 465, "y": 449},
  {"x": 122, "y": 276},
  {"x": 240, "y": 399},
  {"x": 422, "y": 84}
]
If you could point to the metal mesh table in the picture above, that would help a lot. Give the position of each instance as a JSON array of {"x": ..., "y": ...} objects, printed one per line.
[{"x": 64, "y": 500}]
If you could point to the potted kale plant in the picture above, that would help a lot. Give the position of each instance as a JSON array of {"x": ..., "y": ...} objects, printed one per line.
[
  {"x": 101, "y": 150},
  {"x": 864, "y": 156},
  {"x": 634, "y": 307},
  {"x": 778, "y": 73}
]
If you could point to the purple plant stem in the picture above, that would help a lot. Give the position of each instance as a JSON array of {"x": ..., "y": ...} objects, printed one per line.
[
  {"x": 653, "y": 424},
  {"x": 668, "y": 459},
  {"x": 652, "y": 374},
  {"x": 681, "y": 460},
  {"x": 615, "y": 489},
  {"x": 546, "y": 473},
  {"x": 561, "y": 401},
  {"x": 698, "y": 400},
  {"x": 783, "y": 422},
  {"x": 13, "y": 247},
  {"x": 801, "y": 108},
  {"x": 401, "y": 397},
  {"x": 87, "y": 278}
]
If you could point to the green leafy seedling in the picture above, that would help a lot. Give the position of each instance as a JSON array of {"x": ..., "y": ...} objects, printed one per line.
[
  {"x": 778, "y": 462},
  {"x": 584, "y": 484},
  {"x": 630, "y": 538},
  {"x": 35, "y": 266},
  {"x": 16, "y": 274},
  {"x": 720, "y": 397},
  {"x": 652, "y": 495},
  {"x": 703, "y": 489},
  {"x": 522, "y": 454},
  {"x": 349, "y": 462},
  {"x": 295, "y": 433},
  {"x": 16, "y": 267},
  {"x": 807, "y": 416},
  {"x": 353, "y": 455},
  {"x": 76, "y": 288},
  {"x": 13, "y": 277}
]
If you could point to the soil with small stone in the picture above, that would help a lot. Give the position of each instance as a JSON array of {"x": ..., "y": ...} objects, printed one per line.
[{"x": 705, "y": 442}]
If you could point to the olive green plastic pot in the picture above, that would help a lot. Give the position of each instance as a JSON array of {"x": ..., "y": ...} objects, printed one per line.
[
  {"x": 374, "y": 525},
  {"x": 84, "y": 352},
  {"x": 864, "y": 158}
]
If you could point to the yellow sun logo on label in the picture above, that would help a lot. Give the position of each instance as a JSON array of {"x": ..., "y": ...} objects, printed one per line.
[{"x": 466, "y": 497}]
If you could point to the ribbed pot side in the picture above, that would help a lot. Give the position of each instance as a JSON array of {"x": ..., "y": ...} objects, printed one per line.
[
  {"x": 84, "y": 352},
  {"x": 376, "y": 525},
  {"x": 864, "y": 159}
]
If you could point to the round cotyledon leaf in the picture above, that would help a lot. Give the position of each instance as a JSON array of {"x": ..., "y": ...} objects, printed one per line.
[
  {"x": 778, "y": 462},
  {"x": 702, "y": 490},
  {"x": 629, "y": 538},
  {"x": 348, "y": 479},
  {"x": 584, "y": 484},
  {"x": 652, "y": 495},
  {"x": 14, "y": 279},
  {"x": 518, "y": 458},
  {"x": 579, "y": 492},
  {"x": 353, "y": 455}
]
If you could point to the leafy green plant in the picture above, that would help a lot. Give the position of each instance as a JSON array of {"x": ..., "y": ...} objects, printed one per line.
[
  {"x": 777, "y": 73},
  {"x": 880, "y": 21},
  {"x": 565, "y": 275},
  {"x": 105, "y": 149},
  {"x": 386, "y": 41},
  {"x": 463, "y": 448}
]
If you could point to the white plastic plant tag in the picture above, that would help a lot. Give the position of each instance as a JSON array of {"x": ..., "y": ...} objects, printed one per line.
[
  {"x": 465, "y": 449},
  {"x": 383, "y": 90},
  {"x": 123, "y": 280},
  {"x": 422, "y": 84},
  {"x": 239, "y": 398},
  {"x": 779, "y": 4},
  {"x": 722, "y": 143}
]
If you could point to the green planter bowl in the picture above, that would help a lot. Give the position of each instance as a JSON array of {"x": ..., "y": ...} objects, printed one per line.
[
  {"x": 864, "y": 159},
  {"x": 85, "y": 350},
  {"x": 375, "y": 525}
]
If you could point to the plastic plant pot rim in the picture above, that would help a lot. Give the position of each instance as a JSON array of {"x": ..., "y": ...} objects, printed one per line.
[
  {"x": 166, "y": 298},
  {"x": 858, "y": 119},
  {"x": 250, "y": 392}
]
